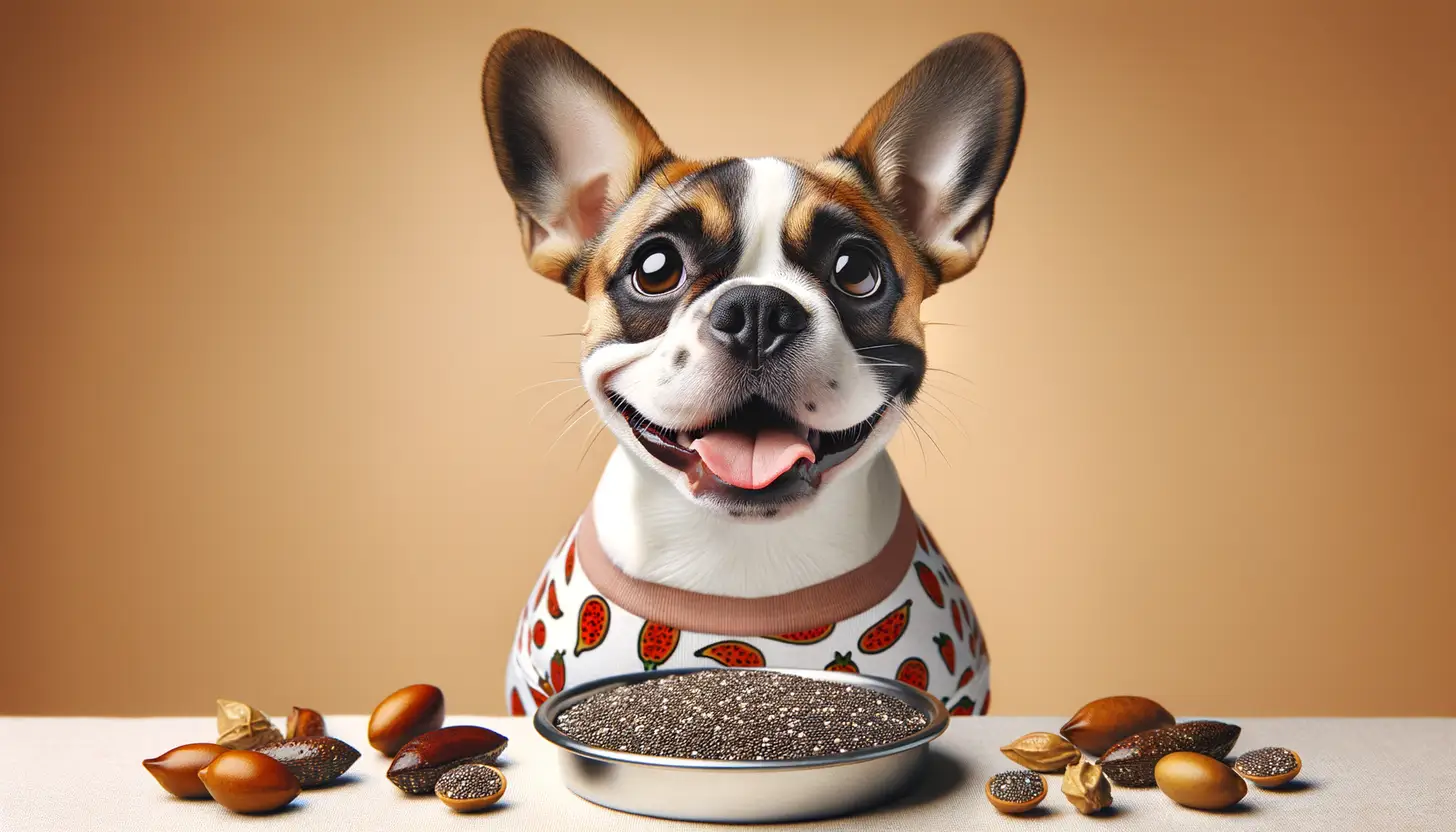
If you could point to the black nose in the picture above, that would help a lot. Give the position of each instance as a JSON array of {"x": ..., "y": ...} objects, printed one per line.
[{"x": 754, "y": 322}]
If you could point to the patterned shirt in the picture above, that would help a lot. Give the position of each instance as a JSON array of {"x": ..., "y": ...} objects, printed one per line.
[{"x": 903, "y": 615}]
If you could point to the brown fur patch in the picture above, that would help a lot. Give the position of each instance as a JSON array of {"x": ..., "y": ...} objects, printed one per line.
[
  {"x": 834, "y": 181},
  {"x": 668, "y": 189}
]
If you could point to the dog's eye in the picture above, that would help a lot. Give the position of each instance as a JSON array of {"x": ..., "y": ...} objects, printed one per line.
[
  {"x": 855, "y": 272},
  {"x": 657, "y": 269}
]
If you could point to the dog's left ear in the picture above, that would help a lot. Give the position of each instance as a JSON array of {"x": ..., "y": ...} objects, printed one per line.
[
  {"x": 937, "y": 145},
  {"x": 569, "y": 145}
]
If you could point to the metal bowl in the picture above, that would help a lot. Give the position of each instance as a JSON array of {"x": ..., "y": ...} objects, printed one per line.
[{"x": 743, "y": 791}]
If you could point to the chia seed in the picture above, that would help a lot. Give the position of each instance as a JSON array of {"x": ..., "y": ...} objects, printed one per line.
[
  {"x": 1265, "y": 762},
  {"x": 1017, "y": 786},
  {"x": 739, "y": 715},
  {"x": 469, "y": 782}
]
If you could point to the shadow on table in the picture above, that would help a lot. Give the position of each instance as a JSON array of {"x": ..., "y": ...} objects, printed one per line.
[
  {"x": 343, "y": 780},
  {"x": 943, "y": 775}
]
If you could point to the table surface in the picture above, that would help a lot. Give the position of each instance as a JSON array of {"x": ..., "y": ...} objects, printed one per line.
[{"x": 81, "y": 774}]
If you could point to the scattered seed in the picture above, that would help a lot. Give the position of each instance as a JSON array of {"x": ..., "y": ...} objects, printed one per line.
[
  {"x": 1017, "y": 786},
  {"x": 1266, "y": 762}
]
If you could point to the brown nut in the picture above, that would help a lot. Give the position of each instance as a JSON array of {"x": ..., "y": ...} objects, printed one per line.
[
  {"x": 1199, "y": 781},
  {"x": 177, "y": 769},
  {"x": 1268, "y": 768},
  {"x": 1042, "y": 752},
  {"x": 1086, "y": 787},
  {"x": 1097, "y": 725},
  {"x": 1131, "y": 761},
  {"x": 305, "y": 722},
  {"x": 404, "y": 715},
  {"x": 315, "y": 761},
  {"x": 242, "y": 726},
  {"x": 470, "y": 787},
  {"x": 1014, "y": 792},
  {"x": 249, "y": 782},
  {"x": 418, "y": 766}
]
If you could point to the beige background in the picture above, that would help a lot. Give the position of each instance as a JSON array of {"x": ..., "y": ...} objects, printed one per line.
[{"x": 269, "y": 352}]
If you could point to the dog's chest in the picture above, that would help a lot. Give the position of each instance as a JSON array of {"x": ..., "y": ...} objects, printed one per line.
[{"x": 905, "y": 615}]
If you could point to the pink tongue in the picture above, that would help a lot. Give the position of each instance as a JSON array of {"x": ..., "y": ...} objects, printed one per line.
[{"x": 751, "y": 461}]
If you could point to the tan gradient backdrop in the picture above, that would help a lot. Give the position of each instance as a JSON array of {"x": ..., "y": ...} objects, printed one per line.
[{"x": 269, "y": 350}]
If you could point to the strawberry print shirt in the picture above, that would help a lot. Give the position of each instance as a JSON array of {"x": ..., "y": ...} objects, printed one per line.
[{"x": 903, "y": 615}]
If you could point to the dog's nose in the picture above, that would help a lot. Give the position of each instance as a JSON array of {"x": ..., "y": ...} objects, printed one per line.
[{"x": 754, "y": 322}]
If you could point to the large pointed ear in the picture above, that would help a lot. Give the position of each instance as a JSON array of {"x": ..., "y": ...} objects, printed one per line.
[
  {"x": 569, "y": 145},
  {"x": 937, "y": 145}
]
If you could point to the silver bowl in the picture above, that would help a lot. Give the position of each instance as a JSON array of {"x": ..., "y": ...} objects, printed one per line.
[{"x": 743, "y": 791}]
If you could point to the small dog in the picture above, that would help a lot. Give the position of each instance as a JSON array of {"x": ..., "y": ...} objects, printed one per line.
[{"x": 753, "y": 337}]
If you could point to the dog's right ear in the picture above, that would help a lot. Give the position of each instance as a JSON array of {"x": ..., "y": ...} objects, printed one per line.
[{"x": 569, "y": 145}]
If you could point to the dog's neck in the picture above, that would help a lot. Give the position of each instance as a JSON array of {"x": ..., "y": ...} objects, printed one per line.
[{"x": 653, "y": 533}]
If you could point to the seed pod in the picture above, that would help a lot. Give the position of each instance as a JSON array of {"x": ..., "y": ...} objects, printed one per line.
[
  {"x": 305, "y": 722},
  {"x": 418, "y": 766},
  {"x": 404, "y": 715},
  {"x": 1086, "y": 788},
  {"x": 241, "y": 726},
  {"x": 177, "y": 769},
  {"x": 315, "y": 761},
  {"x": 1042, "y": 752},
  {"x": 249, "y": 782},
  {"x": 1014, "y": 792},
  {"x": 1131, "y": 761},
  {"x": 1198, "y": 781},
  {"x": 1097, "y": 725},
  {"x": 470, "y": 787},
  {"x": 1268, "y": 768}
]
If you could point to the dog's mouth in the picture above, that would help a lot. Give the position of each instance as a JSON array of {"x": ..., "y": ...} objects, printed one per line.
[{"x": 755, "y": 454}]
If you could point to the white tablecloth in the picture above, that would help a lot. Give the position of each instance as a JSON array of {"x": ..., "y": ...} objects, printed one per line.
[{"x": 85, "y": 774}]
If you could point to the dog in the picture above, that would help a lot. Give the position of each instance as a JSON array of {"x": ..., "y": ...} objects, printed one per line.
[{"x": 752, "y": 340}]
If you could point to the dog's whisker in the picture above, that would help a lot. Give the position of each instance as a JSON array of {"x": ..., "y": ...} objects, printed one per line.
[
  {"x": 940, "y": 409},
  {"x": 563, "y": 335},
  {"x": 941, "y": 323},
  {"x": 548, "y": 402},
  {"x": 574, "y": 422},
  {"x": 929, "y": 384},
  {"x": 915, "y": 432},
  {"x": 950, "y": 373},
  {"x": 880, "y": 362},
  {"x": 591, "y": 440},
  {"x": 544, "y": 383}
]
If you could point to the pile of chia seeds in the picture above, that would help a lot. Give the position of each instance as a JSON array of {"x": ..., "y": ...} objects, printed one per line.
[
  {"x": 739, "y": 715},
  {"x": 471, "y": 781},
  {"x": 1016, "y": 786}
]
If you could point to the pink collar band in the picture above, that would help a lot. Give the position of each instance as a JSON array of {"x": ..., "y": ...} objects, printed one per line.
[{"x": 828, "y": 602}]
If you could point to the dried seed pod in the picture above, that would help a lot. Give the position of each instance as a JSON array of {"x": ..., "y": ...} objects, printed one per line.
[
  {"x": 418, "y": 766},
  {"x": 1097, "y": 725},
  {"x": 249, "y": 782},
  {"x": 177, "y": 769},
  {"x": 305, "y": 722},
  {"x": 1131, "y": 761},
  {"x": 1014, "y": 792},
  {"x": 470, "y": 787},
  {"x": 1086, "y": 787},
  {"x": 1198, "y": 781},
  {"x": 404, "y": 715},
  {"x": 1043, "y": 752},
  {"x": 1268, "y": 768},
  {"x": 241, "y": 726},
  {"x": 315, "y": 761}
]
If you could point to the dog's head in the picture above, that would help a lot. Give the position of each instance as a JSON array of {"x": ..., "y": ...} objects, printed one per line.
[{"x": 753, "y": 325}]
